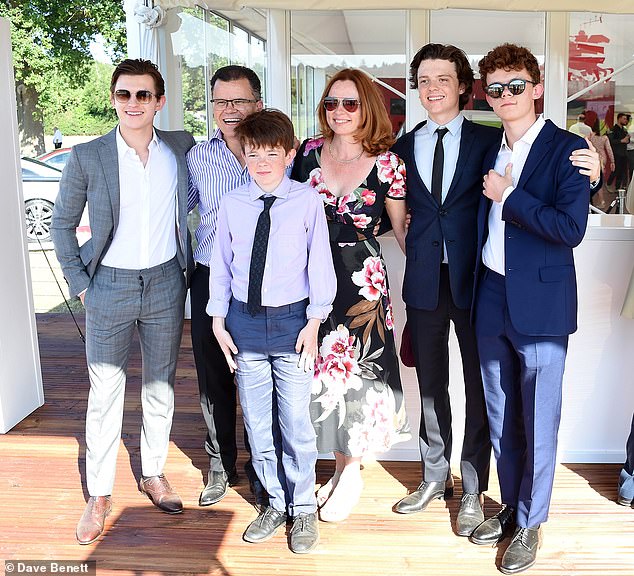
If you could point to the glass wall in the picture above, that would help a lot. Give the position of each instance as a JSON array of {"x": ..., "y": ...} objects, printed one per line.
[
  {"x": 477, "y": 32},
  {"x": 323, "y": 42},
  {"x": 601, "y": 76},
  {"x": 206, "y": 41}
]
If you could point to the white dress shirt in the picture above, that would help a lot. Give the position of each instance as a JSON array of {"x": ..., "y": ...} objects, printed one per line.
[
  {"x": 146, "y": 233},
  {"x": 493, "y": 251}
]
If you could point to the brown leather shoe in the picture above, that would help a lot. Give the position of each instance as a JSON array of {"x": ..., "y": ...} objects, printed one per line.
[
  {"x": 159, "y": 491},
  {"x": 92, "y": 521}
]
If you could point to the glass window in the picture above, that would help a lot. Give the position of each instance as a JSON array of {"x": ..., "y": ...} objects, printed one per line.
[
  {"x": 206, "y": 41},
  {"x": 323, "y": 42},
  {"x": 601, "y": 84},
  {"x": 477, "y": 32}
]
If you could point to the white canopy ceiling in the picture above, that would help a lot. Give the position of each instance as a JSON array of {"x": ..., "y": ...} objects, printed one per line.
[{"x": 610, "y": 6}]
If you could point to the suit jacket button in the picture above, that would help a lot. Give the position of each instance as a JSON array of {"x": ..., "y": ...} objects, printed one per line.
[{"x": 443, "y": 212}]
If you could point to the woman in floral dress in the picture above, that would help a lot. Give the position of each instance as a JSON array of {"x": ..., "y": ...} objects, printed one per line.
[{"x": 358, "y": 406}]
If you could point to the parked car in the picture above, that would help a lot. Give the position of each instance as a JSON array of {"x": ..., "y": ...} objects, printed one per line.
[
  {"x": 40, "y": 184},
  {"x": 56, "y": 158}
]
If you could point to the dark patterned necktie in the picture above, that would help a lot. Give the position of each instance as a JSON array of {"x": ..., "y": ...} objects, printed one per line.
[
  {"x": 258, "y": 256},
  {"x": 437, "y": 166}
]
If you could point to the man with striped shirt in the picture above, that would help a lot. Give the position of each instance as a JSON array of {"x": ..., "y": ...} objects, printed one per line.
[{"x": 215, "y": 168}]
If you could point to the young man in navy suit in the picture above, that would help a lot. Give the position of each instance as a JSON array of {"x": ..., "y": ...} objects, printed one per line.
[
  {"x": 438, "y": 285},
  {"x": 533, "y": 213},
  {"x": 438, "y": 282}
]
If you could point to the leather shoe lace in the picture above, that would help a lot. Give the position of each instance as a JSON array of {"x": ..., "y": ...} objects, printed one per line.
[
  {"x": 304, "y": 533},
  {"x": 92, "y": 521},
  {"x": 470, "y": 515},
  {"x": 216, "y": 488},
  {"x": 159, "y": 491},
  {"x": 420, "y": 498},
  {"x": 491, "y": 531},
  {"x": 522, "y": 551},
  {"x": 264, "y": 526}
]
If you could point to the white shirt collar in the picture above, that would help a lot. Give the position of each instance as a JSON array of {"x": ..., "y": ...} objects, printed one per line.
[
  {"x": 453, "y": 126},
  {"x": 123, "y": 149},
  {"x": 529, "y": 136}
]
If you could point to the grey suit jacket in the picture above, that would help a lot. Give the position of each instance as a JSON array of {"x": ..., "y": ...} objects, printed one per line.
[{"x": 91, "y": 177}]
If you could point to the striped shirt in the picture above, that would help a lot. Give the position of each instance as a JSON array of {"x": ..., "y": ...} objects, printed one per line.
[{"x": 213, "y": 171}]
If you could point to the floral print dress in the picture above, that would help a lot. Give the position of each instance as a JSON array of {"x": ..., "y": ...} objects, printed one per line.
[{"x": 357, "y": 404}]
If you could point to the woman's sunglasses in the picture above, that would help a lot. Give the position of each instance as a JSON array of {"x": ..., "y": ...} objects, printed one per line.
[
  {"x": 349, "y": 104},
  {"x": 515, "y": 86},
  {"x": 142, "y": 96}
]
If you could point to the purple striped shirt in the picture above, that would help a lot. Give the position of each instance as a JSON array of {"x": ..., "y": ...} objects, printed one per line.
[{"x": 213, "y": 171}]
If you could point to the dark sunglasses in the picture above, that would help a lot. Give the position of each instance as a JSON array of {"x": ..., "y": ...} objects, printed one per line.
[
  {"x": 142, "y": 96},
  {"x": 349, "y": 104},
  {"x": 515, "y": 86}
]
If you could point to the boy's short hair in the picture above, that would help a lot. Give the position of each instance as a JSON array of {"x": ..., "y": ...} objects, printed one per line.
[
  {"x": 509, "y": 57},
  {"x": 266, "y": 128},
  {"x": 451, "y": 54},
  {"x": 138, "y": 67}
]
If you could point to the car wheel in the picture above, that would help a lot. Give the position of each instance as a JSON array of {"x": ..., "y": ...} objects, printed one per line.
[{"x": 38, "y": 220}]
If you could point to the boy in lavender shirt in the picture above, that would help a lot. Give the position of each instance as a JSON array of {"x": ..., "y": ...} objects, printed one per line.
[{"x": 272, "y": 283}]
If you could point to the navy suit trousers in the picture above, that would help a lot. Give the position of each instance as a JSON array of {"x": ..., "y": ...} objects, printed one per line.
[{"x": 522, "y": 377}]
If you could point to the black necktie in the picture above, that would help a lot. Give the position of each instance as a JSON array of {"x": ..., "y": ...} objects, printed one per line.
[
  {"x": 258, "y": 256},
  {"x": 437, "y": 166}
]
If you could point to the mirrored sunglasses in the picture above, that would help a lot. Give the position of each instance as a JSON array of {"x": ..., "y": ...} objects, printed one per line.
[
  {"x": 515, "y": 87},
  {"x": 349, "y": 104},
  {"x": 142, "y": 96}
]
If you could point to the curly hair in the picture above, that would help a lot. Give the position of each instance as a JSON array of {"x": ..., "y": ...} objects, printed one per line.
[
  {"x": 509, "y": 57},
  {"x": 451, "y": 54},
  {"x": 375, "y": 128}
]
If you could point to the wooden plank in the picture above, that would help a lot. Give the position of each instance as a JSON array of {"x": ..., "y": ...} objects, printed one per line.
[{"x": 43, "y": 495}]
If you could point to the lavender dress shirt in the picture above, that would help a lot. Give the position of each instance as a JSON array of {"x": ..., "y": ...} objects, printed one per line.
[{"x": 298, "y": 262}]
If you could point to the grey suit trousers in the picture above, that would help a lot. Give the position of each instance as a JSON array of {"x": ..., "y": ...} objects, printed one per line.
[{"x": 117, "y": 301}]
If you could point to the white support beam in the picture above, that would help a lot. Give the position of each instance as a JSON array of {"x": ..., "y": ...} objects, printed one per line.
[
  {"x": 418, "y": 34},
  {"x": 556, "y": 67},
  {"x": 21, "y": 389},
  {"x": 278, "y": 60}
]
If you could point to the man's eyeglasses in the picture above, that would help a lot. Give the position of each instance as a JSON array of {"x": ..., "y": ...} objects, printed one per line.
[
  {"x": 238, "y": 103},
  {"x": 142, "y": 96},
  {"x": 515, "y": 87},
  {"x": 349, "y": 104}
]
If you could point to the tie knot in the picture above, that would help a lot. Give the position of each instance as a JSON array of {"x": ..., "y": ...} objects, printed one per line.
[
  {"x": 268, "y": 201},
  {"x": 441, "y": 132}
]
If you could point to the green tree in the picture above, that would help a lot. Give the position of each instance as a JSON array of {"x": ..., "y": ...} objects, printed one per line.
[
  {"x": 80, "y": 110},
  {"x": 51, "y": 40}
]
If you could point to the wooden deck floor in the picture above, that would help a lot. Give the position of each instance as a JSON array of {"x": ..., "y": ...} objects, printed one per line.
[{"x": 42, "y": 495}]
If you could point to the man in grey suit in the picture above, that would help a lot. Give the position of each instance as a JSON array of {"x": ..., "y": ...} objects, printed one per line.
[{"x": 131, "y": 273}]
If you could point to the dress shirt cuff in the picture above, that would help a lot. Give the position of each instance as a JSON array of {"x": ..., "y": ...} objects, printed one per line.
[
  {"x": 506, "y": 193},
  {"x": 217, "y": 309},
  {"x": 321, "y": 313},
  {"x": 82, "y": 292}
]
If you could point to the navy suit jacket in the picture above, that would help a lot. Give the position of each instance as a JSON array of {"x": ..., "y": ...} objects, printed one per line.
[
  {"x": 454, "y": 221},
  {"x": 545, "y": 218}
]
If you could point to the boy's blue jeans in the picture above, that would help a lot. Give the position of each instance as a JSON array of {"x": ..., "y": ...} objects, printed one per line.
[{"x": 275, "y": 397}]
